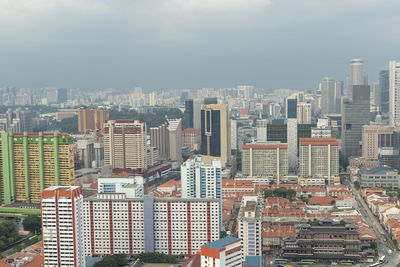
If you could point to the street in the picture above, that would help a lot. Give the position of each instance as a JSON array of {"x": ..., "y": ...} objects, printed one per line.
[{"x": 382, "y": 238}]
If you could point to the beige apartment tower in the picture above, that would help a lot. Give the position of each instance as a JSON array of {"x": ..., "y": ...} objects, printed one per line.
[
  {"x": 375, "y": 136},
  {"x": 92, "y": 119},
  {"x": 215, "y": 133},
  {"x": 125, "y": 144}
]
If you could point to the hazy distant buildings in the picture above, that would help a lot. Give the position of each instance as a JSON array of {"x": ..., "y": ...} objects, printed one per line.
[
  {"x": 92, "y": 119},
  {"x": 215, "y": 133},
  {"x": 355, "y": 114},
  {"x": 17, "y": 121},
  {"x": 394, "y": 93},
  {"x": 384, "y": 90}
]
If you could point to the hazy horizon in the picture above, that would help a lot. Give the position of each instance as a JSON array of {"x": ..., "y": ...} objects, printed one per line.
[{"x": 177, "y": 44}]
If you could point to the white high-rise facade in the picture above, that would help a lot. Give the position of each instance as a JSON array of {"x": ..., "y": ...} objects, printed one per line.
[
  {"x": 262, "y": 130},
  {"x": 394, "y": 93},
  {"x": 292, "y": 144},
  {"x": 62, "y": 224},
  {"x": 200, "y": 180}
]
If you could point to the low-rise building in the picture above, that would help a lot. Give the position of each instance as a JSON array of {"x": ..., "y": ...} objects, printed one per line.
[
  {"x": 326, "y": 241},
  {"x": 379, "y": 177},
  {"x": 131, "y": 186},
  {"x": 226, "y": 252}
]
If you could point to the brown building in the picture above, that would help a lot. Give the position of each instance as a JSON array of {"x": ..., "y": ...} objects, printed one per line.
[
  {"x": 326, "y": 241},
  {"x": 191, "y": 138},
  {"x": 167, "y": 138},
  {"x": 90, "y": 119},
  {"x": 375, "y": 136}
]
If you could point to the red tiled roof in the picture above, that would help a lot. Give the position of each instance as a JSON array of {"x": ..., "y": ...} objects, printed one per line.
[{"x": 322, "y": 201}]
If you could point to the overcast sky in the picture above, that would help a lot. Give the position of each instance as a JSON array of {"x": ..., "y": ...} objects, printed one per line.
[{"x": 168, "y": 44}]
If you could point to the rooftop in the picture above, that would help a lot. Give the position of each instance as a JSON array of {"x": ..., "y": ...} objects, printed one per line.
[
  {"x": 252, "y": 261},
  {"x": 377, "y": 170},
  {"x": 222, "y": 243}
]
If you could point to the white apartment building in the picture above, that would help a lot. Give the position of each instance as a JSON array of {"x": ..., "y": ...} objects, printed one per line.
[
  {"x": 201, "y": 180},
  {"x": 303, "y": 113},
  {"x": 319, "y": 157},
  {"x": 115, "y": 224},
  {"x": 131, "y": 186},
  {"x": 62, "y": 224},
  {"x": 394, "y": 93},
  {"x": 250, "y": 226},
  {"x": 226, "y": 252}
]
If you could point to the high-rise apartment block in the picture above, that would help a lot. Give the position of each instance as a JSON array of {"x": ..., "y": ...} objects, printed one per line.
[
  {"x": 355, "y": 114},
  {"x": 225, "y": 252},
  {"x": 261, "y": 130},
  {"x": 304, "y": 113},
  {"x": 394, "y": 93},
  {"x": 250, "y": 226},
  {"x": 201, "y": 180},
  {"x": 265, "y": 159},
  {"x": 62, "y": 226},
  {"x": 292, "y": 141},
  {"x": 167, "y": 138},
  {"x": 191, "y": 138},
  {"x": 17, "y": 121},
  {"x": 319, "y": 157},
  {"x": 90, "y": 119},
  {"x": 31, "y": 162},
  {"x": 114, "y": 224},
  {"x": 125, "y": 144},
  {"x": 215, "y": 133}
]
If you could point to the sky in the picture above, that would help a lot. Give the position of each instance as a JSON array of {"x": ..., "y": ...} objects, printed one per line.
[{"x": 177, "y": 44}]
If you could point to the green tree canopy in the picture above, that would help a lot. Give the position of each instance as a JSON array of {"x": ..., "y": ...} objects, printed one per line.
[
  {"x": 32, "y": 223},
  {"x": 117, "y": 260},
  {"x": 156, "y": 258}
]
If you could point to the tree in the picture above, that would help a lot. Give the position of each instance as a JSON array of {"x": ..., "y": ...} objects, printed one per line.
[
  {"x": 32, "y": 223},
  {"x": 333, "y": 202},
  {"x": 222, "y": 234},
  {"x": 156, "y": 258},
  {"x": 117, "y": 260},
  {"x": 357, "y": 185},
  {"x": 373, "y": 245},
  {"x": 343, "y": 161}
]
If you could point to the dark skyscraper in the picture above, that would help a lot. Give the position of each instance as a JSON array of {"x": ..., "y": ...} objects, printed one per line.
[
  {"x": 62, "y": 95},
  {"x": 210, "y": 100},
  {"x": 291, "y": 108},
  {"x": 355, "y": 114},
  {"x": 384, "y": 89},
  {"x": 189, "y": 111}
]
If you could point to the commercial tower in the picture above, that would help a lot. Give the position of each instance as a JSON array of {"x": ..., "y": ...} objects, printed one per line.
[
  {"x": 356, "y": 75},
  {"x": 319, "y": 158},
  {"x": 114, "y": 224},
  {"x": 215, "y": 133},
  {"x": 328, "y": 101},
  {"x": 125, "y": 144},
  {"x": 384, "y": 90},
  {"x": 265, "y": 159},
  {"x": 32, "y": 162},
  {"x": 92, "y": 119},
  {"x": 62, "y": 226},
  {"x": 192, "y": 113},
  {"x": 355, "y": 114},
  {"x": 394, "y": 93},
  {"x": 200, "y": 180}
]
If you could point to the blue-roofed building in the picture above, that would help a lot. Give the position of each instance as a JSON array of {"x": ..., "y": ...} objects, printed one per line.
[
  {"x": 381, "y": 176},
  {"x": 225, "y": 252},
  {"x": 252, "y": 261}
]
